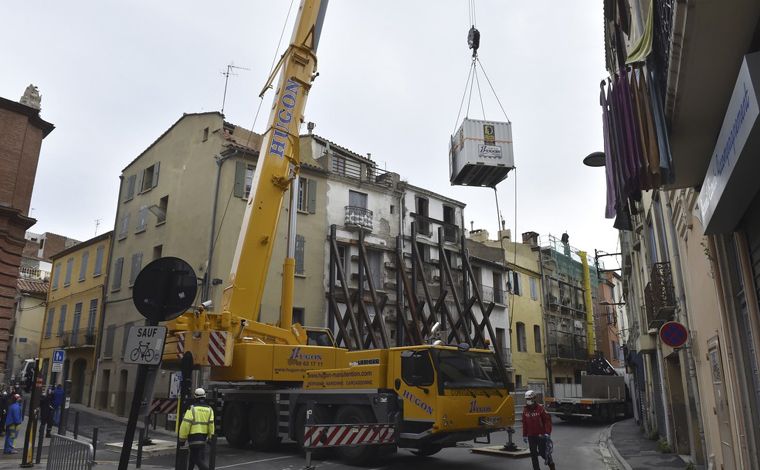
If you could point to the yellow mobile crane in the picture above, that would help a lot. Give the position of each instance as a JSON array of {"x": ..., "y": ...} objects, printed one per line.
[{"x": 264, "y": 374}]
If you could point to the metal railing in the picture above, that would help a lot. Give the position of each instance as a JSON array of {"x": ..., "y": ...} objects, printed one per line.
[
  {"x": 70, "y": 454},
  {"x": 78, "y": 338},
  {"x": 660, "y": 295},
  {"x": 490, "y": 294},
  {"x": 361, "y": 171},
  {"x": 359, "y": 216},
  {"x": 662, "y": 40}
]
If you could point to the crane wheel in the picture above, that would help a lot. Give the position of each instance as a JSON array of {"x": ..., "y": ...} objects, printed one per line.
[
  {"x": 235, "y": 424},
  {"x": 427, "y": 450},
  {"x": 263, "y": 426},
  {"x": 352, "y": 414}
]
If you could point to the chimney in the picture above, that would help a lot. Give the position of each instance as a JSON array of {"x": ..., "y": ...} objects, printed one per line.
[
  {"x": 530, "y": 238},
  {"x": 505, "y": 235},
  {"x": 310, "y": 126},
  {"x": 479, "y": 235}
]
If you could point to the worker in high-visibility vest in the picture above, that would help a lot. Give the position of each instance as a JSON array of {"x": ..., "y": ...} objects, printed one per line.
[{"x": 197, "y": 426}]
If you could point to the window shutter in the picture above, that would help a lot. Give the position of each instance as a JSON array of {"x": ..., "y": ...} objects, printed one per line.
[
  {"x": 155, "y": 173},
  {"x": 69, "y": 267},
  {"x": 83, "y": 269},
  {"x": 110, "y": 333},
  {"x": 130, "y": 188},
  {"x": 299, "y": 255},
  {"x": 56, "y": 275},
  {"x": 140, "y": 182},
  {"x": 99, "y": 260},
  {"x": 312, "y": 196},
  {"x": 142, "y": 219},
  {"x": 118, "y": 266},
  {"x": 50, "y": 320},
  {"x": 136, "y": 265},
  {"x": 239, "y": 190},
  {"x": 62, "y": 319},
  {"x": 92, "y": 316},
  {"x": 124, "y": 225}
]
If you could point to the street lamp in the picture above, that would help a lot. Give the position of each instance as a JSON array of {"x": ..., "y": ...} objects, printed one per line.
[{"x": 595, "y": 159}]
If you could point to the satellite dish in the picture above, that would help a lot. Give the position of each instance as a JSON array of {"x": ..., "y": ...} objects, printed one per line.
[{"x": 164, "y": 289}]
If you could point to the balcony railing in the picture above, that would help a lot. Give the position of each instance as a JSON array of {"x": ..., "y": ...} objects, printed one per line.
[
  {"x": 359, "y": 217},
  {"x": 490, "y": 294},
  {"x": 660, "y": 295},
  {"x": 361, "y": 171},
  {"x": 663, "y": 35},
  {"x": 33, "y": 273},
  {"x": 78, "y": 338}
]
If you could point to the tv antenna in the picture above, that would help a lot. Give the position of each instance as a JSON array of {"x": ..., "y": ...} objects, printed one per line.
[
  {"x": 227, "y": 78},
  {"x": 97, "y": 224}
]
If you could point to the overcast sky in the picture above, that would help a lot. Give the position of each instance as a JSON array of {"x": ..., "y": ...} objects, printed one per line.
[{"x": 115, "y": 75}]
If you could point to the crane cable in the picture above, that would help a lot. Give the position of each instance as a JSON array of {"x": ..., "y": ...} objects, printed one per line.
[{"x": 473, "y": 40}]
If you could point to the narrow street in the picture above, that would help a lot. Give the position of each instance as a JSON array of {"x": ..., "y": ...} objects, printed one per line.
[{"x": 576, "y": 448}]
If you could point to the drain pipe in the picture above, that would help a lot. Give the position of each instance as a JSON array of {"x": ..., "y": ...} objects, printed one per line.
[
  {"x": 207, "y": 278},
  {"x": 691, "y": 366}
]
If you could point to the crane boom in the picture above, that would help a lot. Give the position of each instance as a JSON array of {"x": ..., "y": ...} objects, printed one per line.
[{"x": 277, "y": 168}]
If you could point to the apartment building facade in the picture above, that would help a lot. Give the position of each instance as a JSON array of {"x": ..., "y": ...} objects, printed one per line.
[
  {"x": 607, "y": 320},
  {"x": 72, "y": 316},
  {"x": 522, "y": 296},
  {"x": 690, "y": 249},
  {"x": 377, "y": 223}
]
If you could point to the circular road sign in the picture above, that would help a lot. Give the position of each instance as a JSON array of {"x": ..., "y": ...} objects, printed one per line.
[
  {"x": 674, "y": 334},
  {"x": 164, "y": 289}
]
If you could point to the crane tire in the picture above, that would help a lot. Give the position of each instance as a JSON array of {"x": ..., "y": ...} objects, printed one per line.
[
  {"x": 263, "y": 426},
  {"x": 235, "y": 424},
  {"x": 356, "y": 455}
]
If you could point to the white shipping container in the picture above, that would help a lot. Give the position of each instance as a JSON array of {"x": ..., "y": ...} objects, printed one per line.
[{"x": 480, "y": 153}]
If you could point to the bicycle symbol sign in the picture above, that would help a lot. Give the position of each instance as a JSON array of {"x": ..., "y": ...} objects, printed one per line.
[
  {"x": 673, "y": 334},
  {"x": 145, "y": 345}
]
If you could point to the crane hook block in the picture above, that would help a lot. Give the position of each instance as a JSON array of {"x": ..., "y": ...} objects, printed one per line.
[{"x": 473, "y": 40}]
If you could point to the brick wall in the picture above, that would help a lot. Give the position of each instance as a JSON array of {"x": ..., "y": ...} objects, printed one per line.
[{"x": 21, "y": 134}]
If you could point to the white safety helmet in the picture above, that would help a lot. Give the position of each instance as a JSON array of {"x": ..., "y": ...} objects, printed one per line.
[
  {"x": 200, "y": 393},
  {"x": 530, "y": 395}
]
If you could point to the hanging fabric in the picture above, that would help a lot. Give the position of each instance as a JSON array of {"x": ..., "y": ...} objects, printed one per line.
[{"x": 643, "y": 47}]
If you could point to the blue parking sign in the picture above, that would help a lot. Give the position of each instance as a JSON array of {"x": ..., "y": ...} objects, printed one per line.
[{"x": 58, "y": 355}]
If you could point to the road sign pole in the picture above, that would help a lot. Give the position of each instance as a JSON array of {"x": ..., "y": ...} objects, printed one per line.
[
  {"x": 65, "y": 407},
  {"x": 184, "y": 397},
  {"x": 129, "y": 437},
  {"x": 27, "y": 458}
]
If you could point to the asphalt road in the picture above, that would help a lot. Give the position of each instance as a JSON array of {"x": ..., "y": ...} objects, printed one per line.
[{"x": 576, "y": 447}]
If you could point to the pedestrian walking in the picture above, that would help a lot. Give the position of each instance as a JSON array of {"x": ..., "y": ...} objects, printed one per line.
[
  {"x": 12, "y": 423},
  {"x": 46, "y": 411},
  {"x": 197, "y": 428},
  {"x": 57, "y": 403},
  {"x": 537, "y": 430}
]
